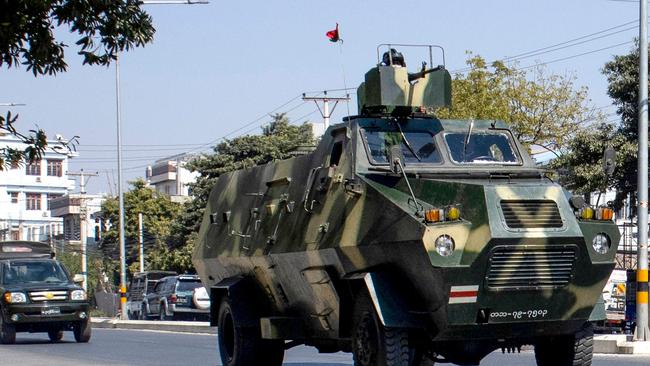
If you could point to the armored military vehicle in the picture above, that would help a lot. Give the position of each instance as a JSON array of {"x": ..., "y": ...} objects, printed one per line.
[{"x": 404, "y": 239}]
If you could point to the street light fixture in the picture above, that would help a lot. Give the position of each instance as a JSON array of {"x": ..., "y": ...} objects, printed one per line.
[{"x": 120, "y": 191}]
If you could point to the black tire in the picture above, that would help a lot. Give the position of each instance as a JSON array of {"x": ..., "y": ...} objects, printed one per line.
[
  {"x": 55, "y": 335},
  {"x": 143, "y": 312},
  {"x": 575, "y": 350},
  {"x": 243, "y": 346},
  {"x": 163, "y": 312},
  {"x": 372, "y": 343},
  {"x": 7, "y": 332},
  {"x": 82, "y": 331}
]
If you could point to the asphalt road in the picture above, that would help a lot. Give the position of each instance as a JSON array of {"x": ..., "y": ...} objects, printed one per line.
[{"x": 143, "y": 348}]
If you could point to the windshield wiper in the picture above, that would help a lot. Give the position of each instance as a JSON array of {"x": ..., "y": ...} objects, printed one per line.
[
  {"x": 469, "y": 134},
  {"x": 406, "y": 141}
]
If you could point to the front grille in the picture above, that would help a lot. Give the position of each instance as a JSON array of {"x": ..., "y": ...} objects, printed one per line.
[
  {"x": 517, "y": 267},
  {"x": 527, "y": 214},
  {"x": 48, "y": 295}
]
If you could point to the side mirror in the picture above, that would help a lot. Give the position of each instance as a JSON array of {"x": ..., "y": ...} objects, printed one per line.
[
  {"x": 395, "y": 159},
  {"x": 78, "y": 278},
  {"x": 609, "y": 161}
]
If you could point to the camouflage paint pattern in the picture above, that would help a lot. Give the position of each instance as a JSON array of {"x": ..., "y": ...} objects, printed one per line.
[{"x": 300, "y": 227}]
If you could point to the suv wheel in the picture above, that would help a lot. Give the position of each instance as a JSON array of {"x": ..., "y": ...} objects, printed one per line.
[
  {"x": 7, "y": 332},
  {"x": 241, "y": 346},
  {"x": 55, "y": 335},
  {"x": 82, "y": 331}
]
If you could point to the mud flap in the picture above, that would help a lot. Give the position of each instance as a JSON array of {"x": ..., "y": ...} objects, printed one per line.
[
  {"x": 242, "y": 293},
  {"x": 394, "y": 306}
]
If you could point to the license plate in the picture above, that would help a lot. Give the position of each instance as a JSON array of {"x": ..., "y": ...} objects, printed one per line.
[
  {"x": 51, "y": 311},
  {"x": 181, "y": 300}
]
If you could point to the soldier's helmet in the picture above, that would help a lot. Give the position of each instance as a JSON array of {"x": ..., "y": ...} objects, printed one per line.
[{"x": 397, "y": 58}]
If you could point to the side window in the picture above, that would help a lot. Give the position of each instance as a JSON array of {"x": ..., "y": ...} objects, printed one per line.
[{"x": 337, "y": 151}]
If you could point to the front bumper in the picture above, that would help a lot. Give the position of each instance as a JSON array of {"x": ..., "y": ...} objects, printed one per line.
[{"x": 46, "y": 312}]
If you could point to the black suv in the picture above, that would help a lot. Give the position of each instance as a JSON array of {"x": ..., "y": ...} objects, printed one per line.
[
  {"x": 141, "y": 285},
  {"x": 177, "y": 297},
  {"x": 38, "y": 294}
]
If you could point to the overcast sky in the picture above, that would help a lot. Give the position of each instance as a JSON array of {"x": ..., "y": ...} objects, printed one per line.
[{"x": 215, "y": 68}]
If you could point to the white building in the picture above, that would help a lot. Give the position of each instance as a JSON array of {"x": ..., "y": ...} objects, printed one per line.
[
  {"x": 26, "y": 191},
  {"x": 170, "y": 177}
]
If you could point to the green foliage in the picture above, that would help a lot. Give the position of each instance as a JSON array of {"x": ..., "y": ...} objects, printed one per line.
[
  {"x": 277, "y": 140},
  {"x": 545, "y": 110},
  {"x": 27, "y": 37},
  {"x": 35, "y": 144},
  {"x": 98, "y": 269},
  {"x": 585, "y": 161},
  {"x": 158, "y": 212},
  {"x": 104, "y": 28},
  {"x": 623, "y": 87}
]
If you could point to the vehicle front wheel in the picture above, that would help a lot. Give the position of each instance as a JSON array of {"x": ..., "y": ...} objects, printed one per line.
[
  {"x": 243, "y": 346},
  {"x": 82, "y": 331},
  {"x": 55, "y": 335},
  {"x": 573, "y": 350},
  {"x": 372, "y": 343},
  {"x": 7, "y": 332}
]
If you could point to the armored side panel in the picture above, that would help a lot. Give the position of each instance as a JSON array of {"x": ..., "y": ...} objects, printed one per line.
[{"x": 388, "y": 87}]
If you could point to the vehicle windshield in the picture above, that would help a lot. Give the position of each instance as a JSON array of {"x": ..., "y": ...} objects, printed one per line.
[
  {"x": 380, "y": 141},
  {"x": 15, "y": 272},
  {"x": 483, "y": 147},
  {"x": 186, "y": 286}
]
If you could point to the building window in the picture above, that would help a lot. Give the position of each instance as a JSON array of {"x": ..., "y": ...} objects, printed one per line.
[
  {"x": 15, "y": 235},
  {"x": 54, "y": 168},
  {"x": 50, "y": 197},
  {"x": 14, "y": 197},
  {"x": 33, "y": 201},
  {"x": 33, "y": 168}
]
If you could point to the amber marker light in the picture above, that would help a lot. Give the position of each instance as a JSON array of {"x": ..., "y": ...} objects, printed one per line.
[
  {"x": 605, "y": 214},
  {"x": 587, "y": 213}
]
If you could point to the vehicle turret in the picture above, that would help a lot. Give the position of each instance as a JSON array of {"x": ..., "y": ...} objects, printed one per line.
[{"x": 390, "y": 89}]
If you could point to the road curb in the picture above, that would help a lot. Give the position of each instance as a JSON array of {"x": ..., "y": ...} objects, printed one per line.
[
  {"x": 620, "y": 344},
  {"x": 168, "y": 326}
]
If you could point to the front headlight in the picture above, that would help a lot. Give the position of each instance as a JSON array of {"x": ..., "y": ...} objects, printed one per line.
[
  {"x": 601, "y": 243},
  {"x": 445, "y": 245},
  {"x": 78, "y": 295},
  {"x": 15, "y": 297}
]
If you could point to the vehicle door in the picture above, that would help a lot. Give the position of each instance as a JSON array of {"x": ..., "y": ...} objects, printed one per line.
[
  {"x": 153, "y": 299},
  {"x": 330, "y": 188}
]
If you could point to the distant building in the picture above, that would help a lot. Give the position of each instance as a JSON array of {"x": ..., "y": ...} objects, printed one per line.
[
  {"x": 170, "y": 177},
  {"x": 27, "y": 190},
  {"x": 69, "y": 208}
]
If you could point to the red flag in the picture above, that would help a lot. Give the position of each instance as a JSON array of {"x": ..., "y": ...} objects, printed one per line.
[{"x": 333, "y": 35}]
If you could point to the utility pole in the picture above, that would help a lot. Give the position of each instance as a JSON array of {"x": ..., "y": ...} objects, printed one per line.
[
  {"x": 642, "y": 333},
  {"x": 83, "y": 216},
  {"x": 140, "y": 239},
  {"x": 325, "y": 112}
]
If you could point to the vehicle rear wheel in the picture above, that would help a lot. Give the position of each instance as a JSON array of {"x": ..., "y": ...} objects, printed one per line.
[
  {"x": 82, "y": 331},
  {"x": 7, "y": 332},
  {"x": 243, "y": 346},
  {"x": 55, "y": 335},
  {"x": 372, "y": 343},
  {"x": 574, "y": 350}
]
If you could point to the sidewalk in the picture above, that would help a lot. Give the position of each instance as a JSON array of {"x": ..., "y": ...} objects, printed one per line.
[
  {"x": 169, "y": 326},
  {"x": 620, "y": 344}
]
